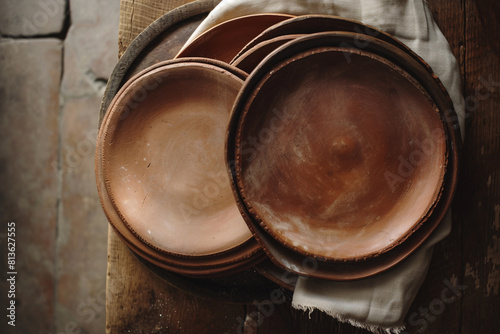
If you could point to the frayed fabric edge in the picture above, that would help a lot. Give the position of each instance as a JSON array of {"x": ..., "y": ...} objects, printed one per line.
[{"x": 342, "y": 318}]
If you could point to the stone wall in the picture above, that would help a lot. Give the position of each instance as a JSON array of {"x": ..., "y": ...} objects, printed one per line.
[{"x": 55, "y": 59}]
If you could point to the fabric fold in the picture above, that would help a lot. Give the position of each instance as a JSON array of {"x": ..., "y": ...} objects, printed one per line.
[{"x": 380, "y": 301}]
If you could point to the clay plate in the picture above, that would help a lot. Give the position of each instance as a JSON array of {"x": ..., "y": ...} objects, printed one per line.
[
  {"x": 310, "y": 24},
  {"x": 243, "y": 249},
  {"x": 286, "y": 264},
  {"x": 203, "y": 265},
  {"x": 159, "y": 42},
  {"x": 226, "y": 39},
  {"x": 381, "y": 241},
  {"x": 338, "y": 170},
  {"x": 250, "y": 59}
]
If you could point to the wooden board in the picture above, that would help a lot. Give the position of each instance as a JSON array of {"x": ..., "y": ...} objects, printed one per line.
[
  {"x": 461, "y": 293},
  {"x": 478, "y": 203}
]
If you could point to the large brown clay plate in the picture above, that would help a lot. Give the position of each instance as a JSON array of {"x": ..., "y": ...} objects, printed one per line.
[
  {"x": 311, "y": 234},
  {"x": 337, "y": 167}
]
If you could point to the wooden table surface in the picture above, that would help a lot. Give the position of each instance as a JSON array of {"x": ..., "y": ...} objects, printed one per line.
[{"x": 138, "y": 301}]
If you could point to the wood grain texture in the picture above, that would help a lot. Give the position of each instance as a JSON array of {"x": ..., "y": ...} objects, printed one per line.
[
  {"x": 135, "y": 16},
  {"x": 461, "y": 293},
  {"x": 140, "y": 302},
  {"x": 479, "y": 199},
  {"x": 446, "y": 265}
]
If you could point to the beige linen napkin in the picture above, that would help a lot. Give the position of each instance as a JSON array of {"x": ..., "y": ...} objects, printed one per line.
[{"x": 378, "y": 303}]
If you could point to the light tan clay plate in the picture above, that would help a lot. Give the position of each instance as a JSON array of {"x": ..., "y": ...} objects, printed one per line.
[{"x": 139, "y": 127}]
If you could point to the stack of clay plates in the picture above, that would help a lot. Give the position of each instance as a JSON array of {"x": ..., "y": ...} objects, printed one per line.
[
  {"x": 326, "y": 143},
  {"x": 160, "y": 169},
  {"x": 341, "y": 153}
]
